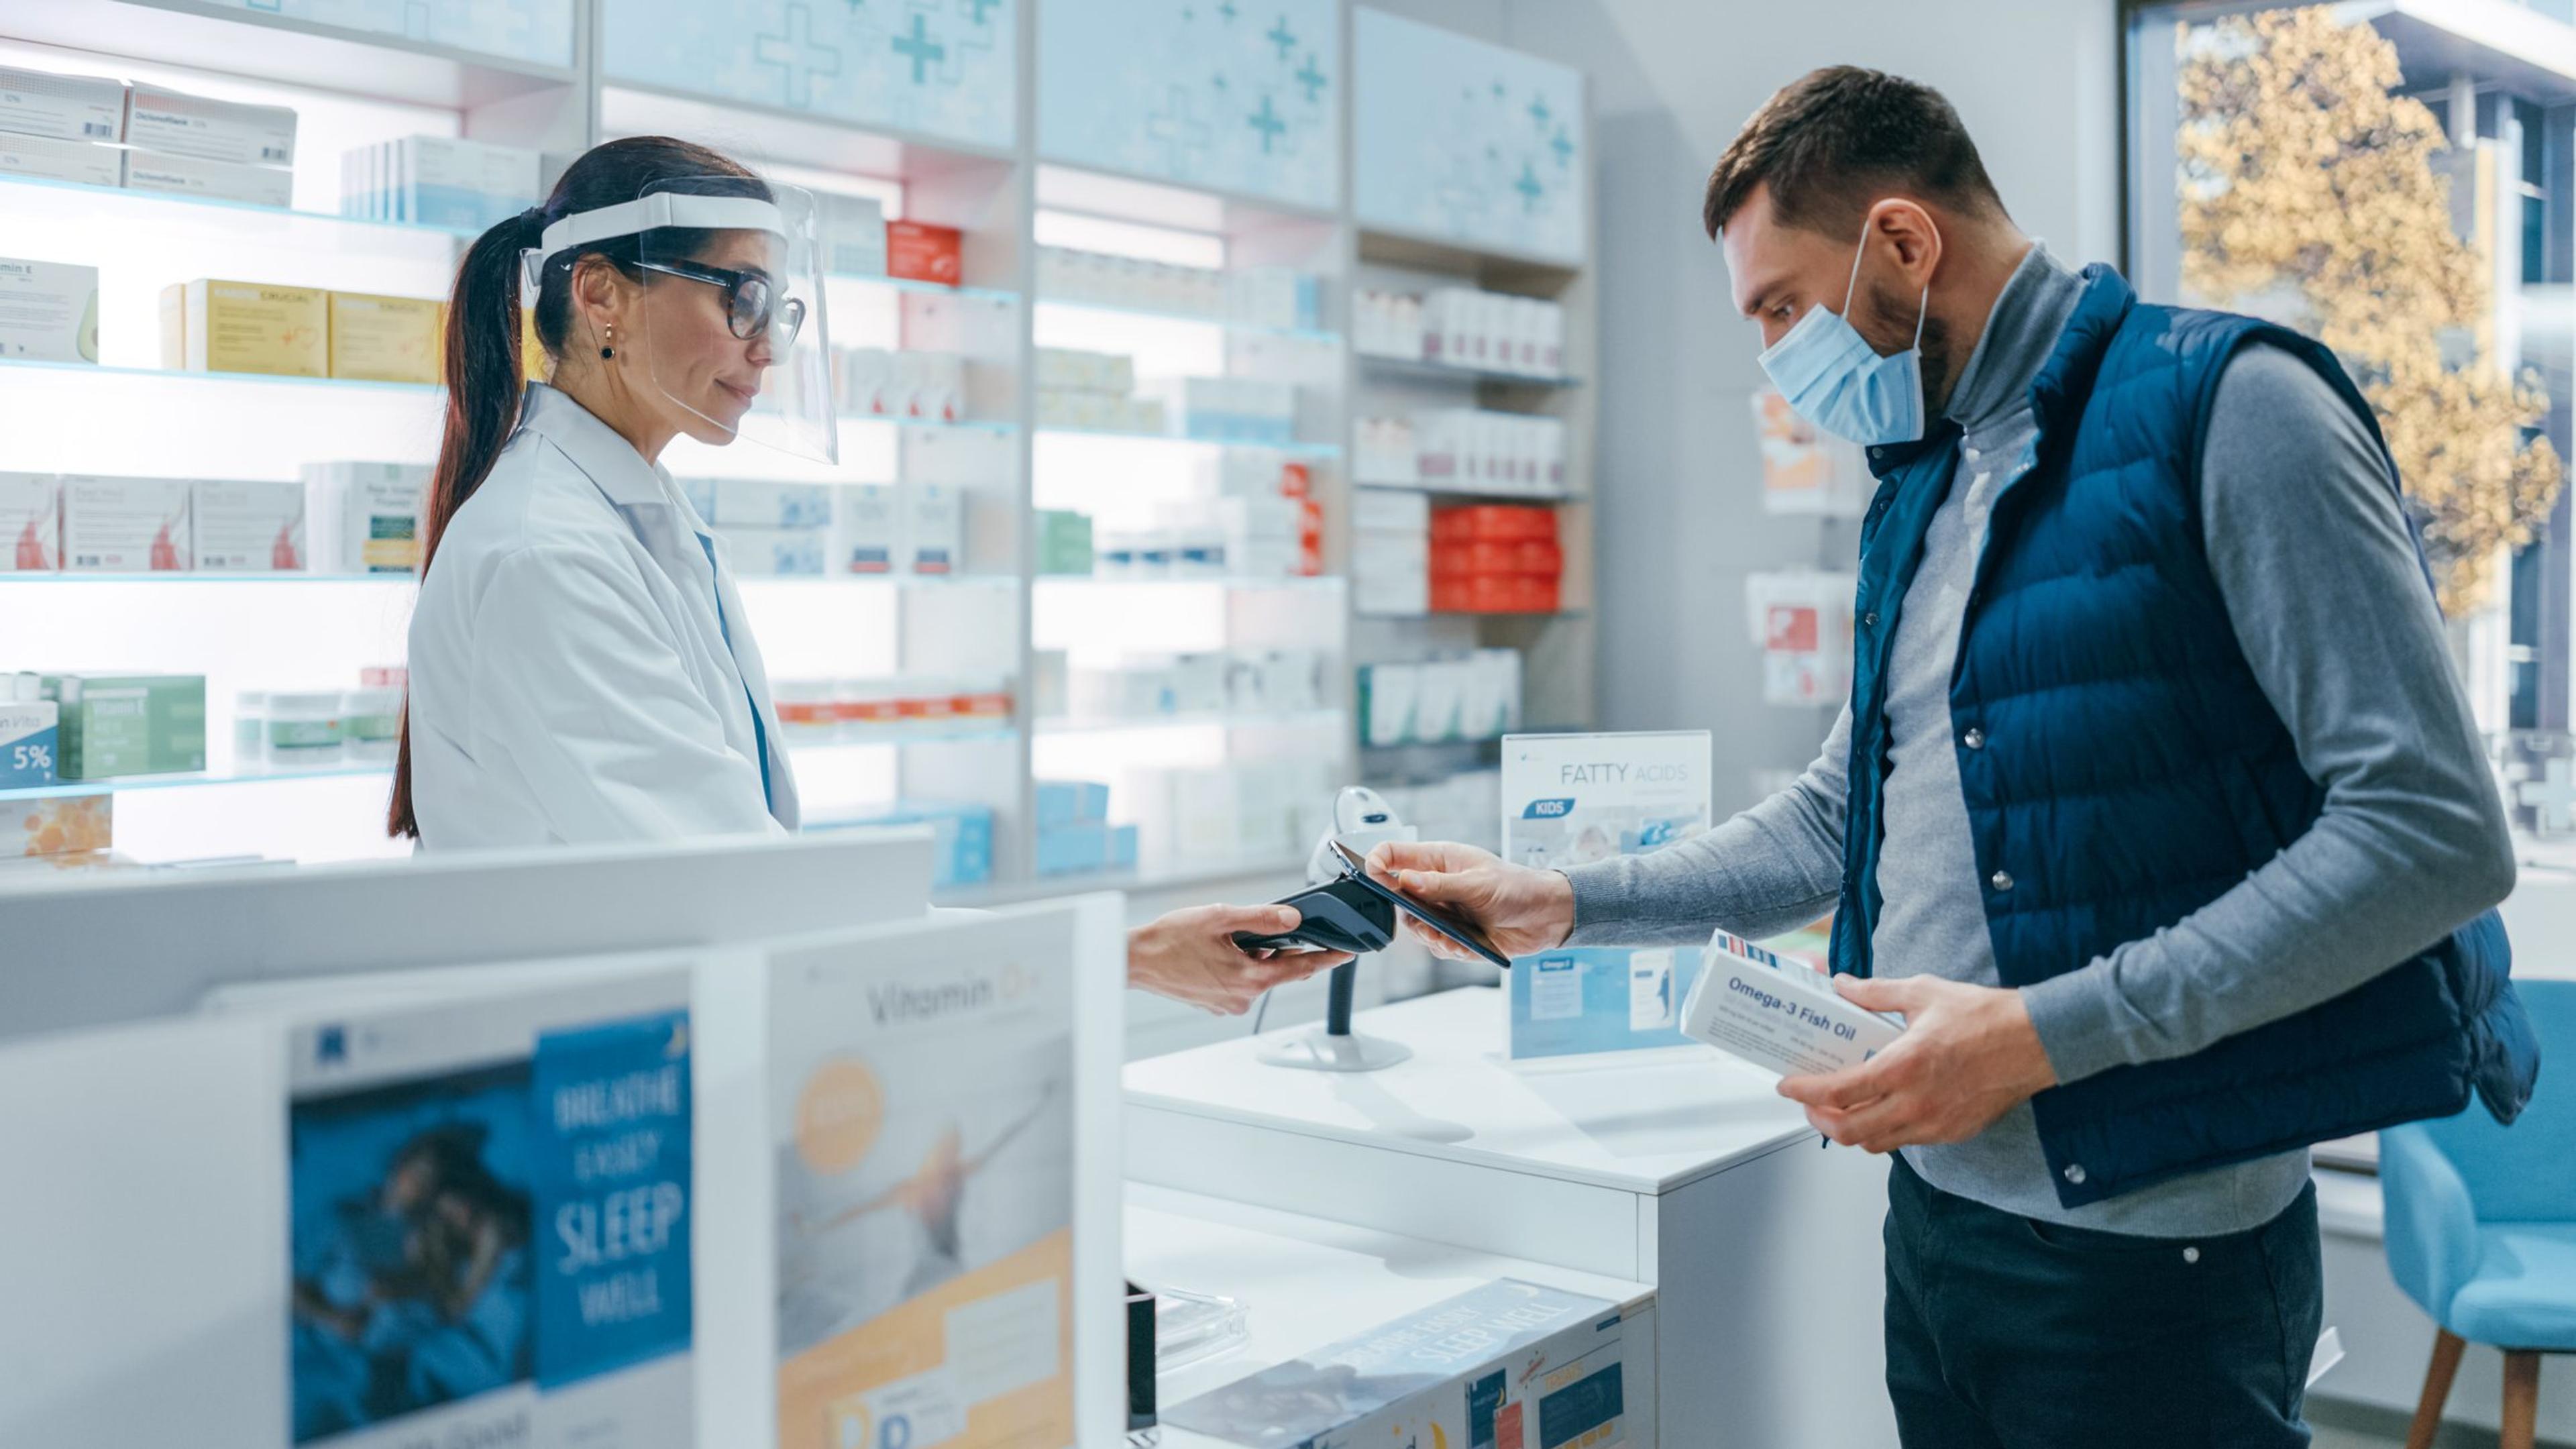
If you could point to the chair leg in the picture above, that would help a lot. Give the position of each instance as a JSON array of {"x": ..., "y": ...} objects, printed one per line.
[
  {"x": 2521, "y": 1400},
  {"x": 2447, "y": 1348}
]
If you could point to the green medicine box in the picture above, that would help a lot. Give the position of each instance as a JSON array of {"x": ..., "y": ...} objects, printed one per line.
[
  {"x": 1064, "y": 542},
  {"x": 129, "y": 724}
]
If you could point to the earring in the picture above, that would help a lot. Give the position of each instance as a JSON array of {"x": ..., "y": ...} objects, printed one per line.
[{"x": 610, "y": 335}]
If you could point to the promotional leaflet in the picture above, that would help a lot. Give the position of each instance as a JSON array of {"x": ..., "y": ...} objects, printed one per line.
[
  {"x": 1570, "y": 800},
  {"x": 1510, "y": 1365},
  {"x": 922, "y": 1110},
  {"x": 490, "y": 1220}
]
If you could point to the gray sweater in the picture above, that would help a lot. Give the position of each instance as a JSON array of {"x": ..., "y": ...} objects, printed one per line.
[{"x": 2311, "y": 555}]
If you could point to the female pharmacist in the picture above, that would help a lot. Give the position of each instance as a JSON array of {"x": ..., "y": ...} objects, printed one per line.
[{"x": 581, "y": 669}]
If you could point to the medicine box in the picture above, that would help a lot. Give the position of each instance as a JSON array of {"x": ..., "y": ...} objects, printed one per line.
[
  {"x": 386, "y": 339},
  {"x": 31, "y": 522},
  {"x": 125, "y": 525},
  {"x": 868, "y": 528},
  {"x": 143, "y": 724},
  {"x": 366, "y": 516},
  {"x": 1071, "y": 802},
  {"x": 65, "y": 107},
  {"x": 760, "y": 503},
  {"x": 853, "y": 232},
  {"x": 30, "y": 743},
  {"x": 775, "y": 553},
  {"x": 247, "y": 327},
  {"x": 1064, "y": 542},
  {"x": 58, "y": 828},
  {"x": 1074, "y": 849},
  {"x": 1779, "y": 1015},
  {"x": 45, "y": 159},
  {"x": 255, "y": 527},
  {"x": 201, "y": 176},
  {"x": 442, "y": 181},
  {"x": 925, "y": 253},
  {"x": 48, "y": 311},
  {"x": 160, "y": 119},
  {"x": 934, "y": 528}
]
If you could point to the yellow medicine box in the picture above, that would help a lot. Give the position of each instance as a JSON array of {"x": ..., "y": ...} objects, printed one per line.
[
  {"x": 386, "y": 339},
  {"x": 211, "y": 326}
]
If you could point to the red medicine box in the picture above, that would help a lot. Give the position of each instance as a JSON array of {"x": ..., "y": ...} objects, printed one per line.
[{"x": 921, "y": 252}]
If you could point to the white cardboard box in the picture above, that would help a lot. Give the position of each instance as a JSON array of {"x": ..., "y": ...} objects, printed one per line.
[
  {"x": 366, "y": 516},
  {"x": 125, "y": 525},
  {"x": 158, "y": 118},
  {"x": 775, "y": 553},
  {"x": 31, "y": 522},
  {"x": 934, "y": 528},
  {"x": 199, "y": 176},
  {"x": 867, "y": 528},
  {"x": 48, "y": 311},
  {"x": 65, "y": 107},
  {"x": 1779, "y": 1015},
  {"x": 45, "y": 159},
  {"x": 762, "y": 503},
  {"x": 248, "y": 527}
]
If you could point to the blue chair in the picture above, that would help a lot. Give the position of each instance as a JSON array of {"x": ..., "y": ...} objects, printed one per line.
[{"x": 2481, "y": 1226}]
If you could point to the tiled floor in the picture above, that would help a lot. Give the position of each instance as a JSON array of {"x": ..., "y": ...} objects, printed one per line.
[{"x": 2350, "y": 1439}]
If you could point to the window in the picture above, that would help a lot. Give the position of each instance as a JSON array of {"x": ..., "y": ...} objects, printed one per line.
[{"x": 2440, "y": 221}]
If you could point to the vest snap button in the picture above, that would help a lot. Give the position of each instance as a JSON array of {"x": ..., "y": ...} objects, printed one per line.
[
  {"x": 2075, "y": 1173},
  {"x": 1869, "y": 620},
  {"x": 2191, "y": 1255},
  {"x": 1974, "y": 739},
  {"x": 2002, "y": 881}
]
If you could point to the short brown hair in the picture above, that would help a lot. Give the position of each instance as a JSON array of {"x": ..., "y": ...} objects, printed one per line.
[{"x": 1835, "y": 139}]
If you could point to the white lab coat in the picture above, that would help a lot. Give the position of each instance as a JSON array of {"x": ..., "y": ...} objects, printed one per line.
[{"x": 571, "y": 679}]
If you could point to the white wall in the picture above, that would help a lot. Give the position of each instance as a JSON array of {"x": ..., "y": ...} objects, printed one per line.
[{"x": 1679, "y": 525}]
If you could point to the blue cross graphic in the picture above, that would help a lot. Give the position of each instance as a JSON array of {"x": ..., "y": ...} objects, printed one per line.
[
  {"x": 1498, "y": 90},
  {"x": 1311, "y": 78},
  {"x": 1267, "y": 122},
  {"x": 798, "y": 56},
  {"x": 980, "y": 6},
  {"x": 1538, "y": 111},
  {"x": 1529, "y": 188},
  {"x": 1228, "y": 11},
  {"x": 1563, "y": 147},
  {"x": 1181, "y": 132},
  {"x": 1220, "y": 82},
  {"x": 919, "y": 48},
  {"x": 1281, "y": 36}
]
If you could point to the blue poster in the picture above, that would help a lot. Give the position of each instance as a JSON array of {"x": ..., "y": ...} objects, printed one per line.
[
  {"x": 1243, "y": 95},
  {"x": 612, "y": 1190},
  {"x": 1466, "y": 141},
  {"x": 534, "y": 30},
  {"x": 943, "y": 68}
]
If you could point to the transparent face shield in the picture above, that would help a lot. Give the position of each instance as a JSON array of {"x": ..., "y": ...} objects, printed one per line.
[{"x": 728, "y": 326}]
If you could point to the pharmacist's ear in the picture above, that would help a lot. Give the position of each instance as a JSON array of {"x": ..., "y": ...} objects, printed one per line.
[{"x": 601, "y": 295}]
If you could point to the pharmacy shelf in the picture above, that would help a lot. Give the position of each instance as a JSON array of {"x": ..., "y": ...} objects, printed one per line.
[
  {"x": 217, "y": 379},
  {"x": 1424, "y": 369},
  {"x": 205, "y": 578},
  {"x": 1209, "y": 719},
  {"x": 342, "y": 769},
  {"x": 925, "y": 732},
  {"x": 1404, "y": 247},
  {"x": 1244, "y": 583},
  {"x": 934, "y": 289},
  {"x": 1159, "y": 314},
  {"x": 1455, "y": 490},
  {"x": 28, "y": 198},
  {"x": 764, "y": 134},
  {"x": 998, "y": 427},
  {"x": 1293, "y": 450}
]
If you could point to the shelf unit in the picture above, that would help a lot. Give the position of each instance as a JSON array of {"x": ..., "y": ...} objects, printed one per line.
[{"x": 352, "y": 89}]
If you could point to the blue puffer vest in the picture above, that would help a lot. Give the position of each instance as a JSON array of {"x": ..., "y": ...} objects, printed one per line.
[{"x": 2122, "y": 767}]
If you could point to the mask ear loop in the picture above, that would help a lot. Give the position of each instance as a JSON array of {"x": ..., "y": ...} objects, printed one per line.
[{"x": 1851, "y": 289}]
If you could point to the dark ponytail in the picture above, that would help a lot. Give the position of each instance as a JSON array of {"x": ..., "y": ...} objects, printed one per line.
[{"x": 484, "y": 378}]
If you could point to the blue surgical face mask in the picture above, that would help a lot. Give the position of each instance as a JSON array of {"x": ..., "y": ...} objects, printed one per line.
[{"x": 1833, "y": 378}]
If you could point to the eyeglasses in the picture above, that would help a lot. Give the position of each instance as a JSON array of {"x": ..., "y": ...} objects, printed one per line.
[{"x": 752, "y": 303}]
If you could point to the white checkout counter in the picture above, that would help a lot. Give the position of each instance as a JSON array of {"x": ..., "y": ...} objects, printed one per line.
[{"x": 1683, "y": 1170}]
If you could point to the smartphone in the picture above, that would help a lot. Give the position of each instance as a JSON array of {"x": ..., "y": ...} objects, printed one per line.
[{"x": 1465, "y": 933}]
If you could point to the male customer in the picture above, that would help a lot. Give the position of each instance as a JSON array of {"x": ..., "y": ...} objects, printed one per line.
[{"x": 2156, "y": 809}]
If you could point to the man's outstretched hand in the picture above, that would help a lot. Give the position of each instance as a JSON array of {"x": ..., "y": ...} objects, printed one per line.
[{"x": 1521, "y": 910}]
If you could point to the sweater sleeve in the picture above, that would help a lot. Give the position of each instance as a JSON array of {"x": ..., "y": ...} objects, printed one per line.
[
  {"x": 1772, "y": 868},
  {"x": 2310, "y": 549}
]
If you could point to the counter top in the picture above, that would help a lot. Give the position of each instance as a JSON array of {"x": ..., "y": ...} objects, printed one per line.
[{"x": 1648, "y": 1124}]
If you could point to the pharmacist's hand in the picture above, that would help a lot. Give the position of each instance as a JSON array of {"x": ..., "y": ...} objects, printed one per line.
[
  {"x": 1969, "y": 1054},
  {"x": 1191, "y": 956},
  {"x": 1522, "y": 910}
]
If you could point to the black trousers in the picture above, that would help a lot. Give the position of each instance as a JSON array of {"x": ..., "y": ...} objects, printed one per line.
[{"x": 2008, "y": 1333}]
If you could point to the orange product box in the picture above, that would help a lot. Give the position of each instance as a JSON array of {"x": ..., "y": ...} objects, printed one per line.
[
  {"x": 1483, "y": 556},
  {"x": 1493, "y": 594},
  {"x": 1495, "y": 521},
  {"x": 925, "y": 253}
]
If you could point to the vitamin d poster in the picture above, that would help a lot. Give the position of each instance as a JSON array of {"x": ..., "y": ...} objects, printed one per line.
[
  {"x": 922, "y": 1101},
  {"x": 1570, "y": 800},
  {"x": 490, "y": 1223}
]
